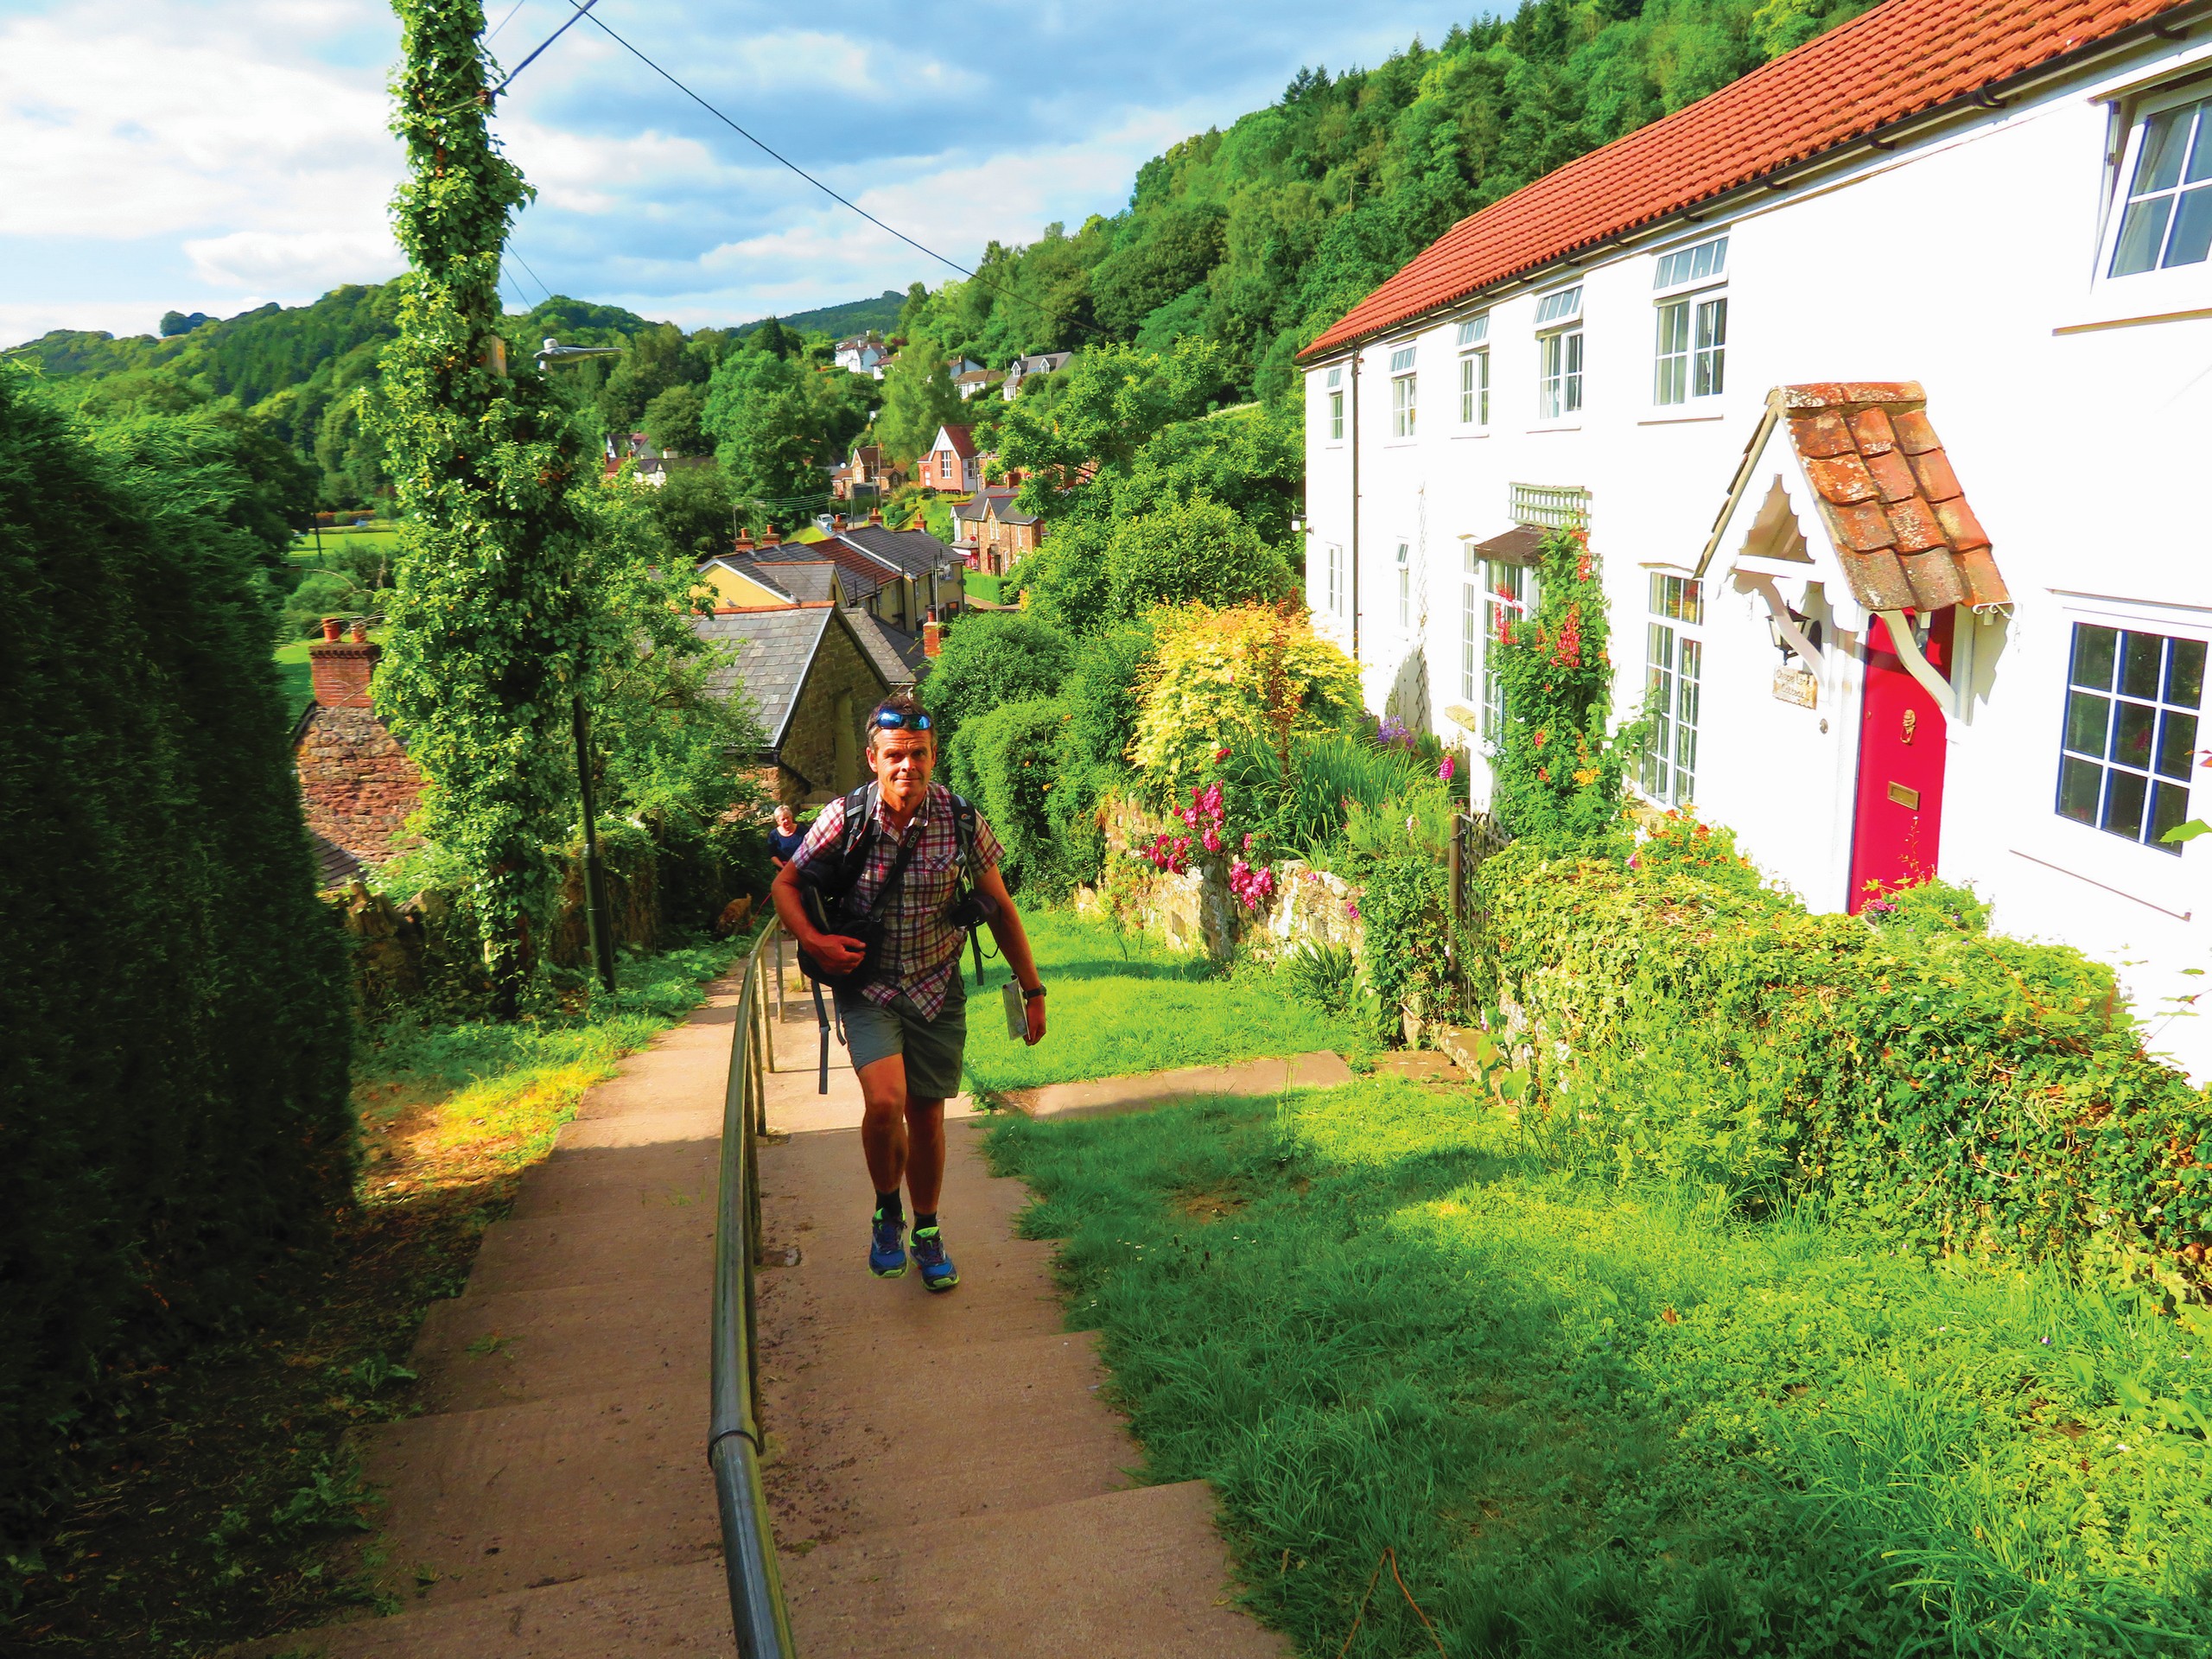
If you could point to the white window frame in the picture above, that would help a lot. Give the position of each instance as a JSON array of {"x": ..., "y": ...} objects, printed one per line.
[
  {"x": 2174, "y": 723},
  {"x": 2158, "y": 284},
  {"x": 1474, "y": 371},
  {"x": 1335, "y": 384},
  {"x": 1673, "y": 674},
  {"x": 1690, "y": 323},
  {"x": 1405, "y": 567},
  {"x": 1560, "y": 365},
  {"x": 1405, "y": 390},
  {"x": 1332, "y": 568},
  {"x": 1509, "y": 594}
]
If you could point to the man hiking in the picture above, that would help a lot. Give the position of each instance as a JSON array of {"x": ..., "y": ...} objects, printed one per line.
[{"x": 908, "y": 865}]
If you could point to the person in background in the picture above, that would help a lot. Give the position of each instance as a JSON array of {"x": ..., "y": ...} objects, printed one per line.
[{"x": 783, "y": 836}]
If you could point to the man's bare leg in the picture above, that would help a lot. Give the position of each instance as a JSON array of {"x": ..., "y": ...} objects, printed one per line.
[
  {"x": 883, "y": 1114},
  {"x": 924, "y": 1139}
]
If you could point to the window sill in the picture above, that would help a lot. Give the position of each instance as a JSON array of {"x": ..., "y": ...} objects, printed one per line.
[
  {"x": 1555, "y": 426},
  {"x": 1461, "y": 437},
  {"x": 1681, "y": 420},
  {"x": 2113, "y": 314}
]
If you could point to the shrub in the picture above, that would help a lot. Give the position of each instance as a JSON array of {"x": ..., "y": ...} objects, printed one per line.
[
  {"x": 988, "y": 659},
  {"x": 1012, "y": 756},
  {"x": 173, "y": 1039},
  {"x": 1193, "y": 552},
  {"x": 1230, "y": 677},
  {"x": 1963, "y": 1092}
]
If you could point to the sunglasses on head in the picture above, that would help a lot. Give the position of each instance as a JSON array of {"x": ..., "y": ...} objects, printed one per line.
[{"x": 898, "y": 720}]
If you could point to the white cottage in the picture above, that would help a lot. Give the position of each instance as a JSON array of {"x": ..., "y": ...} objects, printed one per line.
[{"x": 1882, "y": 381}]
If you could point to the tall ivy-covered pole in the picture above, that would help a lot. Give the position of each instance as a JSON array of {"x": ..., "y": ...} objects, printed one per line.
[{"x": 489, "y": 628}]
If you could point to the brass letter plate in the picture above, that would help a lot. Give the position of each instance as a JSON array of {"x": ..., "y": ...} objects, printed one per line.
[{"x": 1904, "y": 797}]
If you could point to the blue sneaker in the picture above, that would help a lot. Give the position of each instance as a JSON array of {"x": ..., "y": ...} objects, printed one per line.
[
  {"x": 886, "y": 1255},
  {"x": 937, "y": 1271}
]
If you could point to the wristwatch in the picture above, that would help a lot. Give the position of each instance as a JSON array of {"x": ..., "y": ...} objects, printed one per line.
[{"x": 1031, "y": 996}]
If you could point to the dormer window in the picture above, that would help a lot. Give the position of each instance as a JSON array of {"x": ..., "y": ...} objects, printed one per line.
[
  {"x": 2165, "y": 217},
  {"x": 1558, "y": 353}
]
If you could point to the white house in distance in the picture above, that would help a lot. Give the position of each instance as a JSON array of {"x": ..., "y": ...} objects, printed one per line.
[{"x": 1882, "y": 381}]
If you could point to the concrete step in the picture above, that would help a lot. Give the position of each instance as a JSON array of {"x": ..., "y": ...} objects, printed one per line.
[
  {"x": 875, "y": 1447},
  {"x": 486, "y": 1502},
  {"x": 579, "y": 1181},
  {"x": 1135, "y": 1574},
  {"x": 670, "y": 1613},
  {"x": 513, "y": 1347},
  {"x": 1319, "y": 1070},
  {"x": 672, "y": 1247}
]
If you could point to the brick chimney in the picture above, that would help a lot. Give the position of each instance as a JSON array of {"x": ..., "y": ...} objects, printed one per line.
[
  {"x": 744, "y": 541},
  {"x": 769, "y": 535},
  {"x": 932, "y": 638},
  {"x": 837, "y": 521},
  {"x": 341, "y": 669},
  {"x": 875, "y": 515}
]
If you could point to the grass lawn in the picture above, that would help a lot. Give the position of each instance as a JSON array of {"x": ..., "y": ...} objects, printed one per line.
[
  {"x": 1189, "y": 1015},
  {"x": 1592, "y": 1421},
  {"x": 213, "y": 1526},
  {"x": 297, "y": 679}
]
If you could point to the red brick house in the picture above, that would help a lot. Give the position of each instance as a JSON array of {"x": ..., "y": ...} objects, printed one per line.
[
  {"x": 356, "y": 782},
  {"x": 952, "y": 462}
]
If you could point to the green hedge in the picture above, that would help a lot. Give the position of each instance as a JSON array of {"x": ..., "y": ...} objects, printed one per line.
[
  {"x": 1010, "y": 766},
  {"x": 172, "y": 1037},
  {"x": 1964, "y": 1091}
]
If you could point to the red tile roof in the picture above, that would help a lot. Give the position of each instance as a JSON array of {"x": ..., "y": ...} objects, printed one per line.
[
  {"x": 963, "y": 445},
  {"x": 1893, "y": 506},
  {"x": 1899, "y": 59}
]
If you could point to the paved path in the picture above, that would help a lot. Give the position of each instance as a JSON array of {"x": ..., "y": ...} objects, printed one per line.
[{"x": 943, "y": 1478}]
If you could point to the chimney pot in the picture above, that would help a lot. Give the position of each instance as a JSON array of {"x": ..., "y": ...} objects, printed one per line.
[
  {"x": 332, "y": 627},
  {"x": 770, "y": 535},
  {"x": 360, "y": 632},
  {"x": 932, "y": 638},
  {"x": 744, "y": 541}
]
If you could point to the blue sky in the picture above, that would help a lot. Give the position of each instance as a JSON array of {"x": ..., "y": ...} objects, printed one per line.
[{"x": 211, "y": 155}]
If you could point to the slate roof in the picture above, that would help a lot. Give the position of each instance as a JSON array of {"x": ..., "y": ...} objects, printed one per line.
[
  {"x": 807, "y": 580},
  {"x": 772, "y": 652},
  {"x": 862, "y": 574},
  {"x": 1901, "y": 59},
  {"x": 335, "y": 867},
  {"x": 896, "y": 653},
  {"x": 1894, "y": 509},
  {"x": 976, "y": 504},
  {"x": 1039, "y": 362},
  {"x": 912, "y": 552}
]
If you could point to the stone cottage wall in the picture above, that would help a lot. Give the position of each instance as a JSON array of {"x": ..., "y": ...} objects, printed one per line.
[{"x": 356, "y": 782}]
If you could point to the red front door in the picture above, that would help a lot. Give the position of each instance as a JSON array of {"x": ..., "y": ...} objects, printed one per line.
[{"x": 1897, "y": 830}]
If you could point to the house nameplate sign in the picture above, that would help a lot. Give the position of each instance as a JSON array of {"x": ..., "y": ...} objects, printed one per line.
[
  {"x": 1794, "y": 684},
  {"x": 1904, "y": 796}
]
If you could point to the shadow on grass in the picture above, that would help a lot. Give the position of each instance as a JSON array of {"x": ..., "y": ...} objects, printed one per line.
[{"x": 1588, "y": 1423}]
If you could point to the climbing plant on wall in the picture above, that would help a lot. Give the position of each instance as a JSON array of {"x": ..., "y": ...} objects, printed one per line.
[
  {"x": 1557, "y": 773},
  {"x": 489, "y": 627}
]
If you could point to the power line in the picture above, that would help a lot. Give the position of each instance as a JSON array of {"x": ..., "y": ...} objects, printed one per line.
[
  {"x": 504, "y": 21},
  {"x": 776, "y": 155},
  {"x": 534, "y": 276},
  {"x": 565, "y": 27}
]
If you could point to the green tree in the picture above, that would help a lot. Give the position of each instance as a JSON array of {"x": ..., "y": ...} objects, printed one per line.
[
  {"x": 767, "y": 440},
  {"x": 1197, "y": 550},
  {"x": 919, "y": 398},
  {"x": 491, "y": 626},
  {"x": 695, "y": 512},
  {"x": 675, "y": 421}
]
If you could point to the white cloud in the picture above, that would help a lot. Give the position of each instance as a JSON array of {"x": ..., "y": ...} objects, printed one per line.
[
  {"x": 125, "y": 121},
  {"x": 294, "y": 261}
]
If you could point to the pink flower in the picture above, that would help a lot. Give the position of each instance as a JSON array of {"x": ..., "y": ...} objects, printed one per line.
[
  {"x": 1213, "y": 839},
  {"x": 1248, "y": 841},
  {"x": 1352, "y": 908},
  {"x": 1444, "y": 772},
  {"x": 1221, "y": 753}
]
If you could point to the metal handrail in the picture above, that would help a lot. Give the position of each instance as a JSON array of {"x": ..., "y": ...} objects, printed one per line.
[{"x": 734, "y": 1435}]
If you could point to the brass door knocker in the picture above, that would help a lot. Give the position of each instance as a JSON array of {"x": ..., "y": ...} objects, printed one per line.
[{"x": 1911, "y": 720}]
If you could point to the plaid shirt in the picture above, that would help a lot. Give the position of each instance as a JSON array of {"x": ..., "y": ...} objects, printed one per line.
[{"x": 921, "y": 951}]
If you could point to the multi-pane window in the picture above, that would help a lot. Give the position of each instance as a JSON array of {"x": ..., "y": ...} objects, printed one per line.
[
  {"x": 1691, "y": 359},
  {"x": 1402, "y": 392},
  {"x": 1558, "y": 353},
  {"x": 1471, "y": 621},
  {"x": 1405, "y": 587},
  {"x": 2166, "y": 220},
  {"x": 1674, "y": 660},
  {"x": 2132, "y": 702},
  {"x": 1336, "y": 404},
  {"x": 1509, "y": 591},
  {"x": 1334, "y": 577},
  {"x": 1474, "y": 371}
]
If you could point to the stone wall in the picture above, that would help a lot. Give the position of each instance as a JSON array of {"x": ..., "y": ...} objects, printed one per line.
[
  {"x": 822, "y": 744},
  {"x": 1195, "y": 910},
  {"x": 356, "y": 782}
]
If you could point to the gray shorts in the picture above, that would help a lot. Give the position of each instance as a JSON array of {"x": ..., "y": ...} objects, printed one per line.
[{"x": 933, "y": 1048}]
